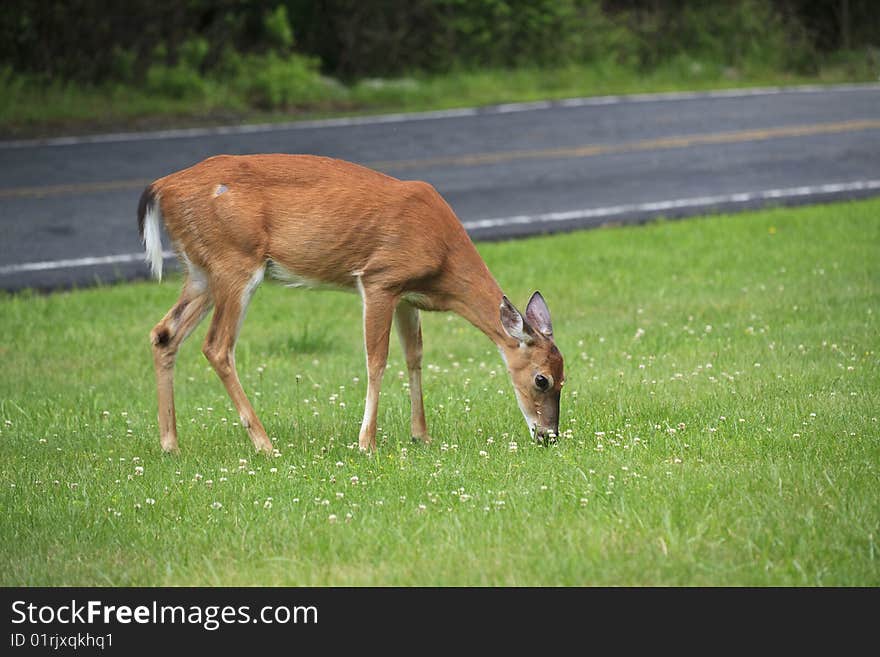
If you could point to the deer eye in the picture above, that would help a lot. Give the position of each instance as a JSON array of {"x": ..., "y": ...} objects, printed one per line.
[{"x": 541, "y": 382}]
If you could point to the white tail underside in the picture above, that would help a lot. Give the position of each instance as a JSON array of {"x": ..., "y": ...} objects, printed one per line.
[{"x": 152, "y": 238}]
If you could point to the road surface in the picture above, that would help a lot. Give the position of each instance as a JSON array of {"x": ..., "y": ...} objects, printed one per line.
[{"x": 67, "y": 206}]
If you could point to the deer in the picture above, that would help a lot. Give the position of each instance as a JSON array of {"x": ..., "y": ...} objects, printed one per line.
[{"x": 314, "y": 221}]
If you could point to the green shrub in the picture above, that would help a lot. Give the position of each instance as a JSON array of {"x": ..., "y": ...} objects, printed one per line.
[
  {"x": 192, "y": 52},
  {"x": 272, "y": 81},
  {"x": 123, "y": 64},
  {"x": 278, "y": 29},
  {"x": 513, "y": 33},
  {"x": 179, "y": 81}
]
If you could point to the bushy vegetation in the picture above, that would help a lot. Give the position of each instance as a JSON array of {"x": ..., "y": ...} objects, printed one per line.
[
  {"x": 91, "y": 58},
  {"x": 94, "y": 41}
]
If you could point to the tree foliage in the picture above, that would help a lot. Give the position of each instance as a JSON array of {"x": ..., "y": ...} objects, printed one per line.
[{"x": 168, "y": 42}]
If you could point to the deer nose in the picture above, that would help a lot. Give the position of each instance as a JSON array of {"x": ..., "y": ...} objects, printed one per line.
[{"x": 545, "y": 436}]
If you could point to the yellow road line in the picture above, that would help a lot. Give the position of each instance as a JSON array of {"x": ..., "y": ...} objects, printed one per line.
[
  {"x": 72, "y": 188},
  {"x": 661, "y": 143},
  {"x": 478, "y": 159}
]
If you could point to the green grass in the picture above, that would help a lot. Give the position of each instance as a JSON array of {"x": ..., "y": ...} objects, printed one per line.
[
  {"x": 721, "y": 417},
  {"x": 30, "y": 107}
]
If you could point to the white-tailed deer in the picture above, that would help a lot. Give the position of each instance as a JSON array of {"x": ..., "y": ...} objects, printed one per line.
[{"x": 318, "y": 221}]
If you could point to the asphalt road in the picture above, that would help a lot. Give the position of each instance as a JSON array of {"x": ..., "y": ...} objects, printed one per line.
[{"x": 67, "y": 206}]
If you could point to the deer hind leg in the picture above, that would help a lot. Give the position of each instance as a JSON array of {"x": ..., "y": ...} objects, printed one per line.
[
  {"x": 378, "y": 312},
  {"x": 232, "y": 298},
  {"x": 409, "y": 330},
  {"x": 166, "y": 338}
]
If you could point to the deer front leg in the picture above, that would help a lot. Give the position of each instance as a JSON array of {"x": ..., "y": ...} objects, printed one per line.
[
  {"x": 378, "y": 311},
  {"x": 409, "y": 330}
]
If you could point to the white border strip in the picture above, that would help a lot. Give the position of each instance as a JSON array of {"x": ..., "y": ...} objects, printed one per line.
[
  {"x": 661, "y": 206},
  {"x": 550, "y": 217},
  {"x": 509, "y": 108},
  {"x": 70, "y": 263}
]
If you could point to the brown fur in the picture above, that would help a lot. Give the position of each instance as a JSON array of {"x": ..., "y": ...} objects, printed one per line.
[{"x": 335, "y": 223}]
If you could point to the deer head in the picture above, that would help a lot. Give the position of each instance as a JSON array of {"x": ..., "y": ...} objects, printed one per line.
[{"x": 535, "y": 365}]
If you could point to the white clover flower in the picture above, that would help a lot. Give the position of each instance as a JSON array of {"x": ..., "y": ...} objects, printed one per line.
[
  {"x": 216, "y": 505},
  {"x": 332, "y": 518}
]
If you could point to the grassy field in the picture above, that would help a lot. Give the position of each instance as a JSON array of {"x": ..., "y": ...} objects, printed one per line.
[
  {"x": 32, "y": 108},
  {"x": 720, "y": 415}
]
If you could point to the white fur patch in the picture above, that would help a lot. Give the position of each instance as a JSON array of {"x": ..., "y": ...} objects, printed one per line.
[
  {"x": 198, "y": 279},
  {"x": 370, "y": 402},
  {"x": 247, "y": 294},
  {"x": 152, "y": 237},
  {"x": 292, "y": 279},
  {"x": 530, "y": 419}
]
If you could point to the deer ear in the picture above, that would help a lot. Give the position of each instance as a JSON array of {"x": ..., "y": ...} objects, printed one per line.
[
  {"x": 513, "y": 322},
  {"x": 538, "y": 315}
]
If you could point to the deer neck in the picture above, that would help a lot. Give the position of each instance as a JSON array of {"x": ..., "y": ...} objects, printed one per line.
[{"x": 476, "y": 296}]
